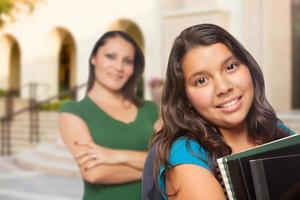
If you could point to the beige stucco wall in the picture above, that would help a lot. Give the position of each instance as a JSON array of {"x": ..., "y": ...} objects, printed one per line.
[
  {"x": 262, "y": 26},
  {"x": 277, "y": 53},
  {"x": 266, "y": 33},
  {"x": 176, "y": 21},
  {"x": 5, "y": 44},
  {"x": 86, "y": 22}
]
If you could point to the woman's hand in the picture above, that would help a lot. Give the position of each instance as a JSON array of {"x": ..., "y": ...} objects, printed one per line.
[{"x": 95, "y": 155}]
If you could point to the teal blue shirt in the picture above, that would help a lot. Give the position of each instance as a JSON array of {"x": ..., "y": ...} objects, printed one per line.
[
  {"x": 184, "y": 151},
  {"x": 188, "y": 151}
]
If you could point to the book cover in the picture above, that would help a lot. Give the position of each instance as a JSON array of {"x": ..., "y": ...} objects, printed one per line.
[
  {"x": 274, "y": 177},
  {"x": 235, "y": 169}
]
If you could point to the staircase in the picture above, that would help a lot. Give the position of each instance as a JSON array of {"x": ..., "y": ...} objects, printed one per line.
[
  {"x": 20, "y": 130},
  {"x": 50, "y": 154},
  {"x": 53, "y": 158}
]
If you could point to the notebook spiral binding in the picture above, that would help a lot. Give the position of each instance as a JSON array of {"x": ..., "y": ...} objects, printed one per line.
[{"x": 224, "y": 181}]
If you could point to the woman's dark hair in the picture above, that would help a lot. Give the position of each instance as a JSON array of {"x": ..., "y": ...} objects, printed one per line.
[
  {"x": 179, "y": 119},
  {"x": 129, "y": 89}
]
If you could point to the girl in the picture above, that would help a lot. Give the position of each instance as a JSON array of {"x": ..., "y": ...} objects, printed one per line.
[{"x": 213, "y": 105}]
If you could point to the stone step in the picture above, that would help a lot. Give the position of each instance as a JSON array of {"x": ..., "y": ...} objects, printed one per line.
[
  {"x": 22, "y": 147},
  {"x": 26, "y": 139},
  {"x": 55, "y": 151},
  {"x": 42, "y": 120},
  {"x": 18, "y": 130},
  {"x": 22, "y": 143},
  {"x": 26, "y": 134},
  {"x": 43, "y": 114},
  {"x": 48, "y": 114},
  {"x": 47, "y": 161},
  {"x": 43, "y": 123}
]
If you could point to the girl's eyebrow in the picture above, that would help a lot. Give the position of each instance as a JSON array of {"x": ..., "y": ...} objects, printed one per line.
[
  {"x": 110, "y": 52},
  {"x": 229, "y": 58},
  {"x": 196, "y": 74}
]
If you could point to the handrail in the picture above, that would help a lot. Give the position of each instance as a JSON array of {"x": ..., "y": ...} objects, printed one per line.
[
  {"x": 37, "y": 104},
  {"x": 16, "y": 90},
  {"x": 33, "y": 107}
]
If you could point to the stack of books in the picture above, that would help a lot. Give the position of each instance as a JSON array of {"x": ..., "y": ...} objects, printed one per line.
[{"x": 267, "y": 172}]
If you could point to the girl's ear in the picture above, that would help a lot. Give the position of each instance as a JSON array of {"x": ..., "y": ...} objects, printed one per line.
[{"x": 93, "y": 61}]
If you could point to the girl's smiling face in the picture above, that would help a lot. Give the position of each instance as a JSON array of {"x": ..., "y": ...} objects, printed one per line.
[{"x": 218, "y": 85}]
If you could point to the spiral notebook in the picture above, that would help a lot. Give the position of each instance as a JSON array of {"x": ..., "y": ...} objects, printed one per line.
[{"x": 235, "y": 169}]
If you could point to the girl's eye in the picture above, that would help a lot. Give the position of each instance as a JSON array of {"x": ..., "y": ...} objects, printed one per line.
[
  {"x": 200, "y": 81},
  {"x": 129, "y": 61},
  {"x": 110, "y": 56},
  {"x": 231, "y": 67}
]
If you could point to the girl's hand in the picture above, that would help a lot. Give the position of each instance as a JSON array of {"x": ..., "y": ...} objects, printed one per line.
[{"x": 95, "y": 155}]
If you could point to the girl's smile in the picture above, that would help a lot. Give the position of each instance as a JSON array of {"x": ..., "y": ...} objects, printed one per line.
[{"x": 231, "y": 105}]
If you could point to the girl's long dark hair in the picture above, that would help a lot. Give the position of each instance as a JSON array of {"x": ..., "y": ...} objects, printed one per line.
[
  {"x": 129, "y": 89},
  {"x": 179, "y": 119}
]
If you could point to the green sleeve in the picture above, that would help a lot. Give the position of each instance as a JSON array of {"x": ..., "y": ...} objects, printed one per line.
[
  {"x": 152, "y": 110},
  {"x": 156, "y": 112},
  {"x": 70, "y": 107}
]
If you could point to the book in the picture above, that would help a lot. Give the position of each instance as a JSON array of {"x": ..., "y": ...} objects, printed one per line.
[
  {"x": 235, "y": 169},
  {"x": 274, "y": 177}
]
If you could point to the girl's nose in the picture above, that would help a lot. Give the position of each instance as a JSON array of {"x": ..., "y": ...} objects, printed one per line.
[
  {"x": 223, "y": 86},
  {"x": 119, "y": 65}
]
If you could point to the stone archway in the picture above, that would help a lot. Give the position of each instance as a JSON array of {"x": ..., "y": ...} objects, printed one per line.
[
  {"x": 135, "y": 32},
  {"x": 131, "y": 28},
  {"x": 10, "y": 58},
  {"x": 66, "y": 54}
]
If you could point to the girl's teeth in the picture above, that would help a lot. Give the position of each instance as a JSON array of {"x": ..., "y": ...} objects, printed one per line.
[{"x": 229, "y": 104}]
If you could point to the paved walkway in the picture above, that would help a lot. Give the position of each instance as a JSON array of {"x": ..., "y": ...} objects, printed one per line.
[{"x": 22, "y": 184}]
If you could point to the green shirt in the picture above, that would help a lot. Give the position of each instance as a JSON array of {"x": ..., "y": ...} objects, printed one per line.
[{"x": 115, "y": 134}]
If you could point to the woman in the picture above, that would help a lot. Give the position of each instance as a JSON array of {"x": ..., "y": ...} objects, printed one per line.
[
  {"x": 107, "y": 132},
  {"x": 213, "y": 105}
]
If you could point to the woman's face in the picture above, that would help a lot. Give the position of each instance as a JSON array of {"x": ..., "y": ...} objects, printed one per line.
[
  {"x": 114, "y": 63},
  {"x": 218, "y": 85}
]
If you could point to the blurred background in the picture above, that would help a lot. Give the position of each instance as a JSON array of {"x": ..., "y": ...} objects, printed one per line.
[{"x": 44, "y": 51}]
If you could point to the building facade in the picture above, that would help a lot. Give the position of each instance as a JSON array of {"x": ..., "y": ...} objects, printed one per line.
[{"x": 52, "y": 45}]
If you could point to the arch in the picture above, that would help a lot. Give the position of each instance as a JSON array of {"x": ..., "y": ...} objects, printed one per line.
[
  {"x": 135, "y": 32},
  {"x": 65, "y": 53},
  {"x": 10, "y": 58},
  {"x": 131, "y": 28}
]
